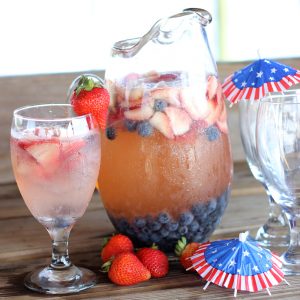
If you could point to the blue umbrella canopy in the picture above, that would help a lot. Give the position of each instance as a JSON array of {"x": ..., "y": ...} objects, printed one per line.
[
  {"x": 259, "y": 78},
  {"x": 239, "y": 264}
]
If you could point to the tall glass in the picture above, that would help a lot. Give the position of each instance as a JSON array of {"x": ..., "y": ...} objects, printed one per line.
[
  {"x": 278, "y": 148},
  {"x": 56, "y": 159},
  {"x": 274, "y": 232}
]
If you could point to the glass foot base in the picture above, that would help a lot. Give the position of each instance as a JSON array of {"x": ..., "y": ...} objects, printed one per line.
[
  {"x": 290, "y": 263},
  {"x": 273, "y": 235},
  {"x": 54, "y": 281}
]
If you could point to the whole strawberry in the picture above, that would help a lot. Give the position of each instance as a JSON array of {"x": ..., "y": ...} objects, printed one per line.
[
  {"x": 184, "y": 251},
  {"x": 90, "y": 96},
  {"x": 117, "y": 244},
  {"x": 126, "y": 269},
  {"x": 154, "y": 260}
]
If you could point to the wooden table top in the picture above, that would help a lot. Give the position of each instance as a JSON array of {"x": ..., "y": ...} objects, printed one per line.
[{"x": 25, "y": 245}]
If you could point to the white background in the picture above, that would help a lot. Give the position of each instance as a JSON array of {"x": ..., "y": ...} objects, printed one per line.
[{"x": 52, "y": 36}]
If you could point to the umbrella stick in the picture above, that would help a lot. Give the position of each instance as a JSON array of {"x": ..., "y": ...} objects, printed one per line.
[{"x": 206, "y": 285}]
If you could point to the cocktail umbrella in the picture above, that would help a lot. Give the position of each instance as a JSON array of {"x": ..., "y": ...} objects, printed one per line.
[
  {"x": 259, "y": 78},
  {"x": 239, "y": 264}
]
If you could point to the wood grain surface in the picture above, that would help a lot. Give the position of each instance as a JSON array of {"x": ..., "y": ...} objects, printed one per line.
[{"x": 25, "y": 245}]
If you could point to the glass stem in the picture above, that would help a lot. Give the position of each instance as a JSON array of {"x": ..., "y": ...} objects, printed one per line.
[
  {"x": 293, "y": 216},
  {"x": 60, "y": 254},
  {"x": 275, "y": 212}
]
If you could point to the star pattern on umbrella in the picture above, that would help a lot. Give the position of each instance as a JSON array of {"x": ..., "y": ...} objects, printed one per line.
[
  {"x": 259, "y": 78},
  {"x": 249, "y": 267}
]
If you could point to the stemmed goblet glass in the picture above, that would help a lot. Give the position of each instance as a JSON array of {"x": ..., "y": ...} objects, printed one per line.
[
  {"x": 274, "y": 232},
  {"x": 56, "y": 159},
  {"x": 278, "y": 149}
]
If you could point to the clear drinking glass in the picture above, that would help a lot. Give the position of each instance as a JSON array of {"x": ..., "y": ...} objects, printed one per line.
[
  {"x": 56, "y": 159},
  {"x": 274, "y": 232},
  {"x": 278, "y": 148}
]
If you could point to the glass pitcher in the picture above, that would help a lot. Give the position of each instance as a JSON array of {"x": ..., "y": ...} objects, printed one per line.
[{"x": 166, "y": 160}]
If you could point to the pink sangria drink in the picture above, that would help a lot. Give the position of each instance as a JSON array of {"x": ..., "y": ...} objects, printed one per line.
[
  {"x": 55, "y": 173},
  {"x": 56, "y": 159},
  {"x": 166, "y": 160}
]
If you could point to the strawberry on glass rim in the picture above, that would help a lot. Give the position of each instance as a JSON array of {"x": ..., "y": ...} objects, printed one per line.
[{"x": 87, "y": 94}]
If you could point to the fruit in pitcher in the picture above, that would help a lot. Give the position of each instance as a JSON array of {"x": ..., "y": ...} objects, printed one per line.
[
  {"x": 117, "y": 244},
  {"x": 161, "y": 122},
  {"x": 91, "y": 97},
  {"x": 184, "y": 251},
  {"x": 154, "y": 260},
  {"x": 127, "y": 269},
  {"x": 180, "y": 121}
]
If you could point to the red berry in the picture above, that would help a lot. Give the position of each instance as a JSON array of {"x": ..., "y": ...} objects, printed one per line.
[
  {"x": 91, "y": 97},
  {"x": 127, "y": 269},
  {"x": 185, "y": 251},
  {"x": 117, "y": 244},
  {"x": 155, "y": 261}
]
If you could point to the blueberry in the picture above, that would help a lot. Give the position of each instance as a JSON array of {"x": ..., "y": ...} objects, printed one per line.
[
  {"x": 183, "y": 230},
  {"x": 202, "y": 217},
  {"x": 194, "y": 226},
  {"x": 211, "y": 205},
  {"x": 154, "y": 226},
  {"x": 144, "y": 128},
  {"x": 164, "y": 232},
  {"x": 189, "y": 236},
  {"x": 212, "y": 133},
  {"x": 222, "y": 202},
  {"x": 140, "y": 222},
  {"x": 174, "y": 235},
  {"x": 142, "y": 237},
  {"x": 155, "y": 237},
  {"x": 111, "y": 133},
  {"x": 199, "y": 238},
  {"x": 146, "y": 231},
  {"x": 163, "y": 218},
  {"x": 122, "y": 224},
  {"x": 198, "y": 209},
  {"x": 130, "y": 231},
  {"x": 171, "y": 226},
  {"x": 214, "y": 216},
  {"x": 130, "y": 125},
  {"x": 160, "y": 105},
  {"x": 186, "y": 218}
]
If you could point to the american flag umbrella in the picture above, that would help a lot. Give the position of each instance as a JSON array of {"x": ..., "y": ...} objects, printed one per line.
[
  {"x": 259, "y": 78},
  {"x": 239, "y": 264}
]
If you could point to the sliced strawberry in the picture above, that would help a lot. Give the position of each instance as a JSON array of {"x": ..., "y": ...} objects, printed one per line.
[
  {"x": 151, "y": 76},
  {"x": 69, "y": 149},
  {"x": 212, "y": 84},
  {"x": 169, "y": 94},
  {"x": 161, "y": 122},
  {"x": 24, "y": 144},
  {"x": 131, "y": 77},
  {"x": 46, "y": 154},
  {"x": 216, "y": 105},
  {"x": 139, "y": 114},
  {"x": 180, "y": 121},
  {"x": 168, "y": 77},
  {"x": 194, "y": 103},
  {"x": 136, "y": 94}
]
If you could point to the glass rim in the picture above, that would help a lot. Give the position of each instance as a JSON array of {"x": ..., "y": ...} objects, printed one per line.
[
  {"x": 16, "y": 113},
  {"x": 285, "y": 94}
]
